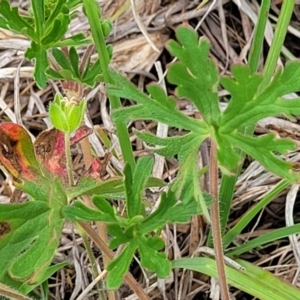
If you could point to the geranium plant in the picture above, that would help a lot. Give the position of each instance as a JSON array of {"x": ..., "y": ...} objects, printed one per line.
[{"x": 30, "y": 231}]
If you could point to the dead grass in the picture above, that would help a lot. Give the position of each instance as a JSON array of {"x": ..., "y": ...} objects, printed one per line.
[{"x": 139, "y": 38}]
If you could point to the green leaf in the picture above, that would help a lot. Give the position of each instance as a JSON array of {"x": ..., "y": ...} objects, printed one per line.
[
  {"x": 60, "y": 7},
  {"x": 75, "y": 40},
  {"x": 57, "y": 30},
  {"x": 262, "y": 149},
  {"x": 188, "y": 176},
  {"x": 29, "y": 232},
  {"x": 155, "y": 243},
  {"x": 27, "y": 288},
  {"x": 45, "y": 31},
  {"x": 195, "y": 74},
  {"x": 180, "y": 145},
  {"x": 52, "y": 74},
  {"x": 49, "y": 272},
  {"x": 161, "y": 109},
  {"x": 244, "y": 81},
  {"x": 93, "y": 74},
  {"x": 38, "y": 8},
  {"x": 29, "y": 239},
  {"x": 169, "y": 211},
  {"x": 120, "y": 236},
  {"x": 154, "y": 182},
  {"x": 61, "y": 59},
  {"x": 119, "y": 266},
  {"x": 152, "y": 259},
  {"x": 11, "y": 20},
  {"x": 80, "y": 212},
  {"x": 73, "y": 3},
  {"x": 70, "y": 68},
  {"x": 91, "y": 186},
  {"x": 39, "y": 55},
  {"x": 74, "y": 60},
  {"x": 182, "y": 212},
  {"x": 61, "y": 74},
  {"x": 103, "y": 205},
  {"x": 274, "y": 235},
  {"x": 134, "y": 184},
  {"x": 253, "y": 280},
  {"x": 187, "y": 149},
  {"x": 247, "y": 108}
]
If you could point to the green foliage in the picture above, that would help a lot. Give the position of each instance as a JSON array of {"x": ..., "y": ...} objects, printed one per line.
[
  {"x": 135, "y": 230},
  {"x": 70, "y": 68},
  {"x": 29, "y": 235},
  {"x": 29, "y": 232},
  {"x": 246, "y": 277},
  {"x": 45, "y": 27},
  {"x": 65, "y": 114},
  {"x": 197, "y": 79}
]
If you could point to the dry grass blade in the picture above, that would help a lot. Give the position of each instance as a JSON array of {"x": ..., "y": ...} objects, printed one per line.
[
  {"x": 289, "y": 208},
  {"x": 139, "y": 37}
]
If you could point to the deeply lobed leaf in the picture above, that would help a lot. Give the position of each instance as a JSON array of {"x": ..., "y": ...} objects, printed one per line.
[
  {"x": 160, "y": 109},
  {"x": 195, "y": 74},
  {"x": 11, "y": 19},
  {"x": 246, "y": 106}
]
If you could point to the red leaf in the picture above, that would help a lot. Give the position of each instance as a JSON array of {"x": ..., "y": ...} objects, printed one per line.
[
  {"x": 21, "y": 158},
  {"x": 82, "y": 132},
  {"x": 98, "y": 168},
  {"x": 49, "y": 148},
  {"x": 16, "y": 152}
]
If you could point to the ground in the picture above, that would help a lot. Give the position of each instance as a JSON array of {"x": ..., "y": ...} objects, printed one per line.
[{"x": 139, "y": 41}]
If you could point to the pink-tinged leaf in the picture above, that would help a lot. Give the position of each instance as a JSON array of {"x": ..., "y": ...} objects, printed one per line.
[
  {"x": 98, "y": 168},
  {"x": 82, "y": 132},
  {"x": 49, "y": 148},
  {"x": 16, "y": 152}
]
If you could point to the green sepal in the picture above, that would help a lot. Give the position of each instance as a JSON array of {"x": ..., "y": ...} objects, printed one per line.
[{"x": 57, "y": 117}]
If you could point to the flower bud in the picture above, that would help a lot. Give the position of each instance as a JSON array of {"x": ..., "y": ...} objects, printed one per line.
[{"x": 66, "y": 114}]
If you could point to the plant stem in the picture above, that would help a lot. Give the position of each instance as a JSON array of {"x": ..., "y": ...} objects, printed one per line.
[
  {"x": 92, "y": 260},
  {"x": 93, "y": 14},
  {"x": 69, "y": 158},
  {"x": 228, "y": 182},
  {"x": 102, "y": 245},
  {"x": 11, "y": 293},
  {"x": 101, "y": 229},
  {"x": 215, "y": 221}
]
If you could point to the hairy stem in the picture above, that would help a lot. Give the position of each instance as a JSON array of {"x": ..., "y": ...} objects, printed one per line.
[
  {"x": 93, "y": 14},
  {"x": 11, "y": 293},
  {"x": 102, "y": 245},
  {"x": 69, "y": 158},
  {"x": 215, "y": 221}
]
